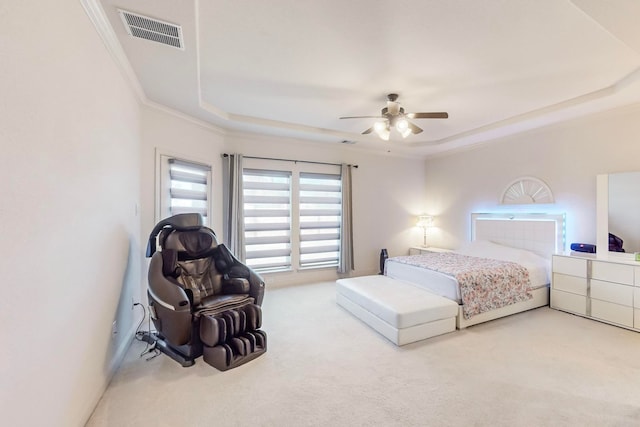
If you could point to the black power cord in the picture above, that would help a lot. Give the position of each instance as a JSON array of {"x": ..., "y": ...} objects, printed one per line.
[
  {"x": 149, "y": 348},
  {"x": 144, "y": 314}
]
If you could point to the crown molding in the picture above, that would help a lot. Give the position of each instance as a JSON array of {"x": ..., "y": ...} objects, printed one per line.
[
  {"x": 99, "y": 19},
  {"x": 187, "y": 117}
]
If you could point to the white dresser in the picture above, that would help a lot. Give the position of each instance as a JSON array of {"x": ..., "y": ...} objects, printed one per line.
[{"x": 607, "y": 290}]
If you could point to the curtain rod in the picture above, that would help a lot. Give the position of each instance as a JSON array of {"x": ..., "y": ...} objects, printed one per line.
[{"x": 290, "y": 160}]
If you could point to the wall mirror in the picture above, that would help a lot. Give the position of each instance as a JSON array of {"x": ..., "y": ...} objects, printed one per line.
[
  {"x": 624, "y": 208},
  {"x": 618, "y": 206}
]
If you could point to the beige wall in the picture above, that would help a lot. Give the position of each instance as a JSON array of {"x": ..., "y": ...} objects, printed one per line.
[
  {"x": 69, "y": 168},
  {"x": 387, "y": 189},
  {"x": 566, "y": 156}
]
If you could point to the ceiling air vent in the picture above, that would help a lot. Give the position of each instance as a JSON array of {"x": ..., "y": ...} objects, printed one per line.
[{"x": 152, "y": 29}]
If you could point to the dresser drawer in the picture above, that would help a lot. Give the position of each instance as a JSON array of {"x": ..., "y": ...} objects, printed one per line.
[
  {"x": 636, "y": 276},
  {"x": 569, "y": 302},
  {"x": 612, "y": 292},
  {"x": 611, "y": 312},
  {"x": 636, "y": 297},
  {"x": 636, "y": 318},
  {"x": 610, "y": 272},
  {"x": 573, "y": 284},
  {"x": 570, "y": 266}
]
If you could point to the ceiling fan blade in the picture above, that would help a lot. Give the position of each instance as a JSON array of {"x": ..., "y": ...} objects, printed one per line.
[
  {"x": 428, "y": 115},
  {"x": 363, "y": 117},
  {"x": 414, "y": 129},
  {"x": 368, "y": 130}
]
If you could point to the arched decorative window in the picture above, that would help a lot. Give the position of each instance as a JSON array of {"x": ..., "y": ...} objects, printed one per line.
[{"x": 526, "y": 190}]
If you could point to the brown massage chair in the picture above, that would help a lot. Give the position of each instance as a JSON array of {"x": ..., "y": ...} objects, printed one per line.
[{"x": 202, "y": 300}]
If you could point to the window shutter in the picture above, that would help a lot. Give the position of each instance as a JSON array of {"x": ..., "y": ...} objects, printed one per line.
[
  {"x": 320, "y": 213},
  {"x": 189, "y": 188},
  {"x": 267, "y": 219}
]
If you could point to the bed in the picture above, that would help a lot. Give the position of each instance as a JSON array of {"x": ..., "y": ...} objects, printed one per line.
[{"x": 528, "y": 240}]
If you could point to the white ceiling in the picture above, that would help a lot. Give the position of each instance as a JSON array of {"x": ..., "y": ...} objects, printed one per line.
[{"x": 293, "y": 67}]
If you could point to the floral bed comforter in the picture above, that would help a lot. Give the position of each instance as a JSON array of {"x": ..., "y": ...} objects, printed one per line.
[{"x": 485, "y": 284}]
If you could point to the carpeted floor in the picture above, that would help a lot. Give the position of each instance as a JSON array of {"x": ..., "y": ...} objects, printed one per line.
[{"x": 323, "y": 367}]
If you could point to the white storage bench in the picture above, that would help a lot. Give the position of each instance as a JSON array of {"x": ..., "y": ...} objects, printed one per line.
[{"x": 400, "y": 311}]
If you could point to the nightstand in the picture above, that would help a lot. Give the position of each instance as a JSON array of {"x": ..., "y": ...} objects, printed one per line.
[{"x": 417, "y": 250}]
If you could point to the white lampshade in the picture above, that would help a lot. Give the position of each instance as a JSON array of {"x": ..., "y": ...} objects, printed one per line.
[{"x": 425, "y": 221}]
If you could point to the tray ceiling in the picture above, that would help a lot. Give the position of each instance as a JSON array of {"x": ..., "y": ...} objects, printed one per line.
[{"x": 291, "y": 68}]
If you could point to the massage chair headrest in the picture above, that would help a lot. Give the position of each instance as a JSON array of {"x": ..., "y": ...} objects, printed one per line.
[
  {"x": 189, "y": 244},
  {"x": 184, "y": 236},
  {"x": 180, "y": 222},
  {"x": 198, "y": 244}
]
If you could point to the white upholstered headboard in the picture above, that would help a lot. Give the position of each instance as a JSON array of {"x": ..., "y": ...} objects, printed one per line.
[{"x": 542, "y": 234}]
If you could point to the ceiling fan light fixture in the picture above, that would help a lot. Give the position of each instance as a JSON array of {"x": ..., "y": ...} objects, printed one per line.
[
  {"x": 394, "y": 116},
  {"x": 402, "y": 126},
  {"x": 384, "y": 134},
  {"x": 382, "y": 129},
  {"x": 380, "y": 126}
]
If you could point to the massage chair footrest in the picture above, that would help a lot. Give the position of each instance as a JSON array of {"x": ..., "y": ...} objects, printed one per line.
[
  {"x": 220, "y": 328},
  {"x": 236, "y": 351}
]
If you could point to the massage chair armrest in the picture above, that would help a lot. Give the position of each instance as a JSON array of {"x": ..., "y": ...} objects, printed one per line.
[
  {"x": 256, "y": 286},
  {"x": 231, "y": 267},
  {"x": 166, "y": 291},
  {"x": 253, "y": 285},
  {"x": 235, "y": 285}
]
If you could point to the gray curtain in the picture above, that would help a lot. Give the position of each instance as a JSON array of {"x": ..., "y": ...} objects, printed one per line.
[
  {"x": 233, "y": 206},
  {"x": 346, "y": 227}
]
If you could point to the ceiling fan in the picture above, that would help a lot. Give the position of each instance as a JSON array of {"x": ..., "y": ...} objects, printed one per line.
[{"x": 393, "y": 116}]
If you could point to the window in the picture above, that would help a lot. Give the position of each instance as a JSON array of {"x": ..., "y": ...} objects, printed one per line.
[
  {"x": 320, "y": 211},
  {"x": 267, "y": 219},
  {"x": 291, "y": 218},
  {"x": 185, "y": 187}
]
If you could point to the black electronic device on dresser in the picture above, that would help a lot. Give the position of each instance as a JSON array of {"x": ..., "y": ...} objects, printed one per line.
[
  {"x": 615, "y": 245},
  {"x": 583, "y": 247}
]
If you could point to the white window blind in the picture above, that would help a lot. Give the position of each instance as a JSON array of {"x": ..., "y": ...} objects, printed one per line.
[
  {"x": 185, "y": 187},
  {"x": 267, "y": 219},
  {"x": 320, "y": 213}
]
